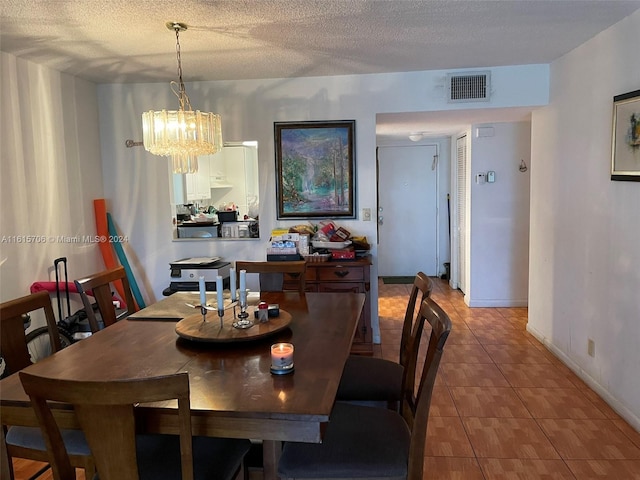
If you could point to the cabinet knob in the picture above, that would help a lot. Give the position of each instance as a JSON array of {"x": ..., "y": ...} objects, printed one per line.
[{"x": 341, "y": 273}]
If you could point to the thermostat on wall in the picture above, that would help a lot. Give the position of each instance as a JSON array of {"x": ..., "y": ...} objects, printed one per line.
[{"x": 491, "y": 176}]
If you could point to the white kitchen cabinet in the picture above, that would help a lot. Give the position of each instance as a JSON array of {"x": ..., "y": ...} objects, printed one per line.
[
  {"x": 218, "y": 170},
  {"x": 192, "y": 187},
  {"x": 198, "y": 183},
  {"x": 235, "y": 177}
]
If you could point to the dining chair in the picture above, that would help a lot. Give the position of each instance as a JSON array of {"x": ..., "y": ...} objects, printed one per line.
[
  {"x": 272, "y": 273},
  {"x": 378, "y": 380},
  {"x": 370, "y": 442},
  {"x": 28, "y": 442},
  {"x": 100, "y": 286},
  {"x": 106, "y": 412}
]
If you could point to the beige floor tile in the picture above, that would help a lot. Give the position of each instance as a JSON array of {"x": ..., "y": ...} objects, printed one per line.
[
  {"x": 473, "y": 375},
  {"x": 605, "y": 469},
  {"x": 600, "y": 403},
  {"x": 461, "y": 335},
  {"x": 558, "y": 403},
  {"x": 452, "y": 468},
  {"x": 524, "y": 469},
  {"x": 534, "y": 375},
  {"x": 465, "y": 353},
  {"x": 582, "y": 439},
  {"x": 488, "y": 402},
  {"x": 518, "y": 353},
  {"x": 508, "y": 438},
  {"x": 500, "y": 336},
  {"x": 628, "y": 430},
  {"x": 446, "y": 438},
  {"x": 441, "y": 402}
]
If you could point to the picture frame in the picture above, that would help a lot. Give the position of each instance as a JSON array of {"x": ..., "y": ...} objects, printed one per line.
[
  {"x": 315, "y": 169},
  {"x": 625, "y": 143}
]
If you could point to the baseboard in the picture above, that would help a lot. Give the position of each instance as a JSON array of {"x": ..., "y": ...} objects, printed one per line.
[
  {"x": 613, "y": 402},
  {"x": 499, "y": 303}
]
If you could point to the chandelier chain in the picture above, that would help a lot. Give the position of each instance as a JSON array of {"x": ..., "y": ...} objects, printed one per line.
[
  {"x": 181, "y": 134},
  {"x": 183, "y": 98}
]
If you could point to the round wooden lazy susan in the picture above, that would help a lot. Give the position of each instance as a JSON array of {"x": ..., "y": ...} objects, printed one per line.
[{"x": 193, "y": 328}]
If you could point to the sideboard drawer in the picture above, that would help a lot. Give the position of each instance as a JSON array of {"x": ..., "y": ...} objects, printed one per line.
[{"x": 341, "y": 274}]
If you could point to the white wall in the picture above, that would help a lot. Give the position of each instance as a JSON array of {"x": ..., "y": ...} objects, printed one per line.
[
  {"x": 585, "y": 233},
  {"x": 499, "y": 216},
  {"x": 50, "y": 173}
]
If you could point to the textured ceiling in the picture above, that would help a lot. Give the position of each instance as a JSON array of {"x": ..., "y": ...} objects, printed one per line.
[{"x": 116, "y": 41}]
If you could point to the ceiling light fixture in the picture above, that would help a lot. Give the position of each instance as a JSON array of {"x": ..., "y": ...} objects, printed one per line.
[
  {"x": 416, "y": 136},
  {"x": 181, "y": 134}
]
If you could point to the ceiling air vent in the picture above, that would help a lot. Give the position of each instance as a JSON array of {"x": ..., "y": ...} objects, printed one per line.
[{"x": 469, "y": 87}]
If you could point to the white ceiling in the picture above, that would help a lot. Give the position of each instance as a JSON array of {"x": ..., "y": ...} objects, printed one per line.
[{"x": 123, "y": 41}]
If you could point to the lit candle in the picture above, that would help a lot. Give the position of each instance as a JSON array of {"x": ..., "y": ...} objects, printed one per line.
[
  {"x": 219, "y": 292},
  {"x": 243, "y": 286},
  {"x": 232, "y": 281},
  {"x": 203, "y": 295},
  {"x": 281, "y": 355}
]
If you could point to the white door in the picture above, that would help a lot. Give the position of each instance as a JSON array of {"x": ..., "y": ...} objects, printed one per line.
[{"x": 407, "y": 205}]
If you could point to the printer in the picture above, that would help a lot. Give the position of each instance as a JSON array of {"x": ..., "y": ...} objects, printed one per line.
[{"x": 185, "y": 274}]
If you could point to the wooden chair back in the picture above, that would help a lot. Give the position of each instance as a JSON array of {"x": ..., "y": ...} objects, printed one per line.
[
  {"x": 414, "y": 407},
  {"x": 13, "y": 345},
  {"x": 105, "y": 412},
  {"x": 100, "y": 286},
  {"x": 422, "y": 287},
  {"x": 272, "y": 273}
]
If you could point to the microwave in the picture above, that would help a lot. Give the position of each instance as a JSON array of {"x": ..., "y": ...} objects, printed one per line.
[{"x": 198, "y": 232}]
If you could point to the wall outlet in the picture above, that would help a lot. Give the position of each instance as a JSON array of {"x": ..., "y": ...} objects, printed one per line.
[
  {"x": 366, "y": 214},
  {"x": 591, "y": 347}
]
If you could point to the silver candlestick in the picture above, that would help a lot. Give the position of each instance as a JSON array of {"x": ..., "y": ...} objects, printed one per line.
[{"x": 243, "y": 317}]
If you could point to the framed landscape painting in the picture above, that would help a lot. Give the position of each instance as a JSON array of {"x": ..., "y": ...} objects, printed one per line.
[
  {"x": 315, "y": 169},
  {"x": 625, "y": 145}
]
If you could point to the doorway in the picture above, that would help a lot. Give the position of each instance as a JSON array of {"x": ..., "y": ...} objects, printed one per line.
[{"x": 407, "y": 210}]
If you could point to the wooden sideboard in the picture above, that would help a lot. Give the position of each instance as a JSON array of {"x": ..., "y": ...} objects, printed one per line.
[{"x": 343, "y": 276}]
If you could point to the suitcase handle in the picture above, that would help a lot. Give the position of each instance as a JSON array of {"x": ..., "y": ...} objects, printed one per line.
[{"x": 62, "y": 260}]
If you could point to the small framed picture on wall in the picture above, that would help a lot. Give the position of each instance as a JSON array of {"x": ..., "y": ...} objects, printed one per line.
[{"x": 625, "y": 143}]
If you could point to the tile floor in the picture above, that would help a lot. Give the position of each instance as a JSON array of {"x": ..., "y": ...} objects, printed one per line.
[{"x": 504, "y": 407}]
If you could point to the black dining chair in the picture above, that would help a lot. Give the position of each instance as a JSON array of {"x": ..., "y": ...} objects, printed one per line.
[
  {"x": 106, "y": 412},
  {"x": 22, "y": 441},
  {"x": 378, "y": 380},
  {"x": 370, "y": 442}
]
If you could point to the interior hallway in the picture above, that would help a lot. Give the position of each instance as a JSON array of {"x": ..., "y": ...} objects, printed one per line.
[{"x": 504, "y": 407}]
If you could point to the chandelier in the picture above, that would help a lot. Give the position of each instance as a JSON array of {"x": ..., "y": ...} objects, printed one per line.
[{"x": 181, "y": 134}]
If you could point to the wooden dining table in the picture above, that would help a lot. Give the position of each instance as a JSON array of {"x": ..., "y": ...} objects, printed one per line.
[{"x": 232, "y": 390}]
